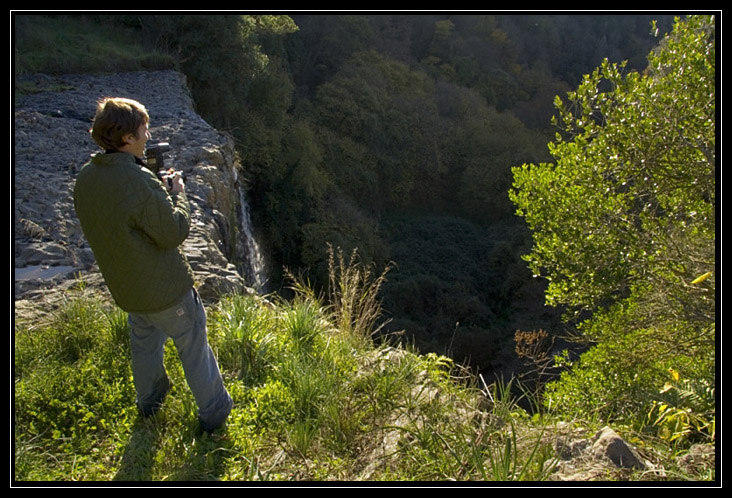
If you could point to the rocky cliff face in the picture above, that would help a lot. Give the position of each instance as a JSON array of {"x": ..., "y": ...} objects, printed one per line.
[{"x": 52, "y": 142}]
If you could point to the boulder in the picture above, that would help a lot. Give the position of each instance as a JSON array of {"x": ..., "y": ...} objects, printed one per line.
[
  {"x": 590, "y": 457},
  {"x": 609, "y": 445}
]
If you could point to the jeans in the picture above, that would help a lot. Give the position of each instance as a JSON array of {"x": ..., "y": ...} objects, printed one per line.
[{"x": 185, "y": 323}]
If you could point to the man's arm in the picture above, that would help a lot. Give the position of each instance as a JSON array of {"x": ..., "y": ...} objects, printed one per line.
[{"x": 165, "y": 218}]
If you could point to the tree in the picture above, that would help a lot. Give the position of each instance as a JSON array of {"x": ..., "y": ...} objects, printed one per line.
[
  {"x": 380, "y": 107},
  {"x": 624, "y": 221},
  {"x": 220, "y": 54}
]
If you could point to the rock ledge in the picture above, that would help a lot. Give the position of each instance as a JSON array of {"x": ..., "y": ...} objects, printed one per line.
[{"x": 52, "y": 142}]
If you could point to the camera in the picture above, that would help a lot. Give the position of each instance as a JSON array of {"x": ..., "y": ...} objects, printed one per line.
[
  {"x": 156, "y": 161},
  {"x": 167, "y": 176},
  {"x": 154, "y": 154}
]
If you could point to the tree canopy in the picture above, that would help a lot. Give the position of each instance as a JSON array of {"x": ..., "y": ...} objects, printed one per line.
[
  {"x": 360, "y": 131},
  {"x": 624, "y": 220}
]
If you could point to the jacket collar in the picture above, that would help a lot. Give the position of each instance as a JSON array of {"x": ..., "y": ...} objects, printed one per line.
[{"x": 111, "y": 157}]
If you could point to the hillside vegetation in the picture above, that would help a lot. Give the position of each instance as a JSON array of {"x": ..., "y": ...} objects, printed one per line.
[
  {"x": 316, "y": 399},
  {"x": 401, "y": 138},
  {"x": 378, "y": 132}
]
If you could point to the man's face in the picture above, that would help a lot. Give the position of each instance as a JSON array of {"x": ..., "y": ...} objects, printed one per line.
[{"x": 135, "y": 144}]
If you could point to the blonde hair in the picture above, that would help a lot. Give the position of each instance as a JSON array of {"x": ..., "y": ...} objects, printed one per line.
[{"x": 115, "y": 118}]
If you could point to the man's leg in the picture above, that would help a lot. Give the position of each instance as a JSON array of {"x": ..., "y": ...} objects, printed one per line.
[
  {"x": 185, "y": 323},
  {"x": 151, "y": 381},
  {"x": 200, "y": 366}
]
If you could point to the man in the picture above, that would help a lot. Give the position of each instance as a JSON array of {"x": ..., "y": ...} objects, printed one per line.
[{"x": 135, "y": 226}]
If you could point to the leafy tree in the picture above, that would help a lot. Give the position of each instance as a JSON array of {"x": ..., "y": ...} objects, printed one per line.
[
  {"x": 634, "y": 177},
  {"x": 389, "y": 110},
  {"x": 220, "y": 54},
  {"x": 322, "y": 45},
  {"x": 624, "y": 221},
  {"x": 490, "y": 142}
]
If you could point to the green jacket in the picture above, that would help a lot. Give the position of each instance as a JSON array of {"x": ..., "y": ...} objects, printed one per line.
[{"x": 135, "y": 229}]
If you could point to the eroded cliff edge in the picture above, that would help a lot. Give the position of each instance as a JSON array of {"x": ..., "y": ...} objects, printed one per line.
[{"x": 52, "y": 142}]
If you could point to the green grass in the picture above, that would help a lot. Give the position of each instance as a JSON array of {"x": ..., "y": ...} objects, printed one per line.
[
  {"x": 313, "y": 402},
  {"x": 79, "y": 44}
]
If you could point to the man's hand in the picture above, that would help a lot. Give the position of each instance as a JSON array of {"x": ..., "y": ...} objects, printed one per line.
[{"x": 176, "y": 183}]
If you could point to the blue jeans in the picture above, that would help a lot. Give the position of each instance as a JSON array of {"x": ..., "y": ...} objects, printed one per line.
[{"x": 185, "y": 323}]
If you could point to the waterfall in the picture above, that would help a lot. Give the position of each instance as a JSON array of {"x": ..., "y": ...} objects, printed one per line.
[{"x": 249, "y": 256}]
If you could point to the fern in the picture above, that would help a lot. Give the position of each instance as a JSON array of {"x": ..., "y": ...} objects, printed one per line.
[{"x": 687, "y": 409}]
